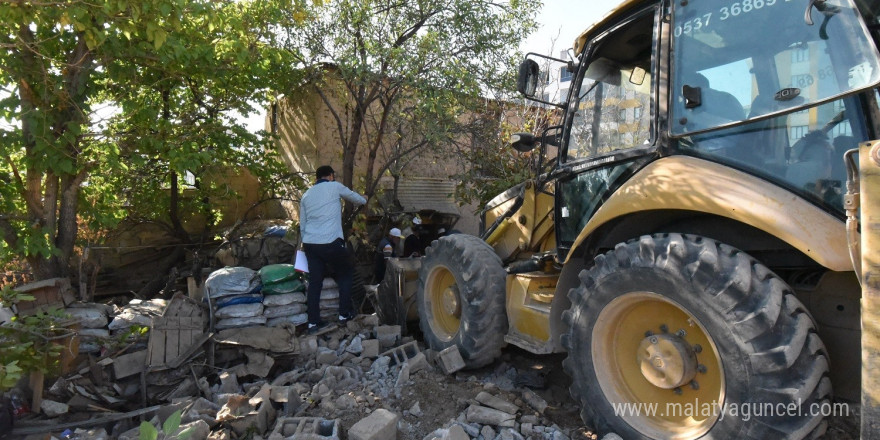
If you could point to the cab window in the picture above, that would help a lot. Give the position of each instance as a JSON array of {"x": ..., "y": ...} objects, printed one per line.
[{"x": 721, "y": 76}]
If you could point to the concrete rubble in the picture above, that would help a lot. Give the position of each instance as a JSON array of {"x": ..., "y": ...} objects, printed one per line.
[{"x": 361, "y": 381}]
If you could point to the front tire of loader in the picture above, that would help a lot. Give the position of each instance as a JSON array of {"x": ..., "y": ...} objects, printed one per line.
[
  {"x": 692, "y": 325},
  {"x": 461, "y": 298}
]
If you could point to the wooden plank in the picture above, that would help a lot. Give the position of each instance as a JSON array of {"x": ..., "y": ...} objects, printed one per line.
[
  {"x": 23, "y": 430},
  {"x": 129, "y": 364},
  {"x": 36, "y": 383},
  {"x": 172, "y": 344},
  {"x": 157, "y": 341},
  {"x": 193, "y": 348}
]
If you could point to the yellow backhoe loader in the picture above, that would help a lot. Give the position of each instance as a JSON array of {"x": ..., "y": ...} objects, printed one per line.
[{"x": 696, "y": 247}]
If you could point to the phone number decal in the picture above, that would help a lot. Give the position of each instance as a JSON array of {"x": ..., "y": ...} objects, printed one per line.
[{"x": 725, "y": 13}]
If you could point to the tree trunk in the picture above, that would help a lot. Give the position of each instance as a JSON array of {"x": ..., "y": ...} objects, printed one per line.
[{"x": 51, "y": 198}]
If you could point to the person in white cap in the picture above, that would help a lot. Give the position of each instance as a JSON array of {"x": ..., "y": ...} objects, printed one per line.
[
  {"x": 387, "y": 248},
  {"x": 413, "y": 245}
]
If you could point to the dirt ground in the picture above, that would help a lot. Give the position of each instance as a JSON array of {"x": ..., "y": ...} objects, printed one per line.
[{"x": 443, "y": 398}]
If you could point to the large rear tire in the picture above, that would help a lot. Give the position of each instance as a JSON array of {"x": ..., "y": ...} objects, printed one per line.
[
  {"x": 697, "y": 330},
  {"x": 461, "y": 298}
]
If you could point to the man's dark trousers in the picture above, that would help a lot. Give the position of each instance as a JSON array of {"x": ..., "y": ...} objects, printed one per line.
[{"x": 337, "y": 257}]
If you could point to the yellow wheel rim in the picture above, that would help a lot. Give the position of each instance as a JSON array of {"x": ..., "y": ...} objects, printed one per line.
[
  {"x": 657, "y": 364},
  {"x": 444, "y": 302}
]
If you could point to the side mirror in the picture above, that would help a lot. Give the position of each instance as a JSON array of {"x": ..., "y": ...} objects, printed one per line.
[
  {"x": 529, "y": 73},
  {"x": 523, "y": 142}
]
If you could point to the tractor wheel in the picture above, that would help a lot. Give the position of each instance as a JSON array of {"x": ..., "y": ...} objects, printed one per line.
[
  {"x": 681, "y": 337},
  {"x": 461, "y": 298}
]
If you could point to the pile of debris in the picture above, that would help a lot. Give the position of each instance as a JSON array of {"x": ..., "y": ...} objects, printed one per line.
[{"x": 364, "y": 379}]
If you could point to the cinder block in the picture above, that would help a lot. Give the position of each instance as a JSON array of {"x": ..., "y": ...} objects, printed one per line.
[
  {"x": 451, "y": 360},
  {"x": 380, "y": 425},
  {"x": 403, "y": 353},
  {"x": 305, "y": 428},
  {"x": 371, "y": 348}
]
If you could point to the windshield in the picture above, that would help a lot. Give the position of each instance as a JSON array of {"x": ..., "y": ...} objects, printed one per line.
[{"x": 734, "y": 61}]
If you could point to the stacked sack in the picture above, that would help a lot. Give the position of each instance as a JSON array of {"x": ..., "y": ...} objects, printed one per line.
[
  {"x": 329, "y": 300},
  {"x": 284, "y": 297},
  {"x": 93, "y": 320},
  {"x": 235, "y": 294}
]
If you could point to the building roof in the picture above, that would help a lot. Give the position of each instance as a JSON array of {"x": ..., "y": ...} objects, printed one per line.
[{"x": 425, "y": 194}]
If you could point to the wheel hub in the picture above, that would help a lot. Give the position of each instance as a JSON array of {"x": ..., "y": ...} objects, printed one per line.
[
  {"x": 667, "y": 361},
  {"x": 449, "y": 301}
]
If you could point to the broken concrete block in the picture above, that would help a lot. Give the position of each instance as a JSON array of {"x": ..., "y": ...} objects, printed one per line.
[
  {"x": 53, "y": 409},
  {"x": 403, "y": 376},
  {"x": 380, "y": 425},
  {"x": 456, "y": 432},
  {"x": 380, "y": 366},
  {"x": 388, "y": 335},
  {"x": 535, "y": 401},
  {"x": 418, "y": 362},
  {"x": 497, "y": 403},
  {"x": 487, "y": 432},
  {"x": 510, "y": 434},
  {"x": 199, "y": 430},
  {"x": 355, "y": 346},
  {"x": 345, "y": 402},
  {"x": 229, "y": 383},
  {"x": 201, "y": 409},
  {"x": 370, "y": 348},
  {"x": 432, "y": 356},
  {"x": 472, "y": 429},
  {"x": 451, "y": 360},
  {"x": 326, "y": 357},
  {"x": 490, "y": 416},
  {"x": 129, "y": 364},
  {"x": 530, "y": 418},
  {"x": 369, "y": 321},
  {"x": 242, "y": 413},
  {"x": 416, "y": 410},
  {"x": 305, "y": 428},
  {"x": 259, "y": 364},
  {"x": 308, "y": 345}
]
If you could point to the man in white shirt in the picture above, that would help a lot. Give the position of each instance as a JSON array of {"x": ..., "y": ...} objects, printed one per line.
[{"x": 320, "y": 225}]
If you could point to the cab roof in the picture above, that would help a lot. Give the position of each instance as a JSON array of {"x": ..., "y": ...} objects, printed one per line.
[{"x": 591, "y": 31}]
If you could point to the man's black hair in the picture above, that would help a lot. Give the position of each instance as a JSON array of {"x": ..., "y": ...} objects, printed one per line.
[{"x": 324, "y": 171}]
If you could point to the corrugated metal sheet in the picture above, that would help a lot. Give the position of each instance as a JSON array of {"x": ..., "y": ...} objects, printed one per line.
[{"x": 425, "y": 194}]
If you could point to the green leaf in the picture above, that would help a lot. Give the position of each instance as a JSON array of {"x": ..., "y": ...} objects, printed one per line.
[
  {"x": 171, "y": 423},
  {"x": 159, "y": 38},
  {"x": 148, "y": 431},
  {"x": 186, "y": 433}
]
